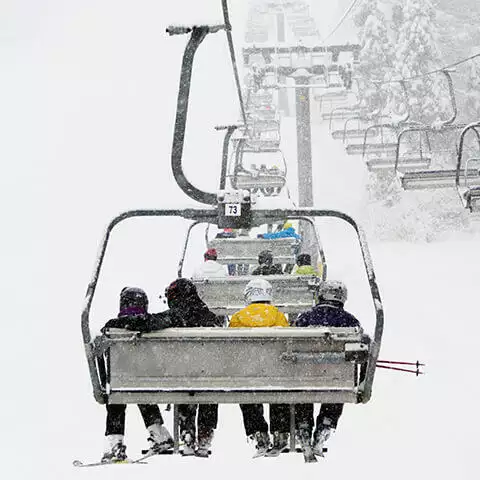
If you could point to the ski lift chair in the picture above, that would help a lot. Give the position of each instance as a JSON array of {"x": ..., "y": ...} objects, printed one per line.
[
  {"x": 391, "y": 151},
  {"x": 415, "y": 172},
  {"x": 266, "y": 180},
  {"x": 200, "y": 365},
  {"x": 469, "y": 189},
  {"x": 331, "y": 102}
]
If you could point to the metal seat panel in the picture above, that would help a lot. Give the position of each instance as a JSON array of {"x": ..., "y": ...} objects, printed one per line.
[
  {"x": 230, "y": 365},
  {"x": 246, "y": 250},
  {"x": 431, "y": 179},
  {"x": 292, "y": 293}
]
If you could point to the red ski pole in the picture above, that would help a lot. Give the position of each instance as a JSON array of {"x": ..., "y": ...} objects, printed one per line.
[
  {"x": 417, "y": 363},
  {"x": 416, "y": 372}
]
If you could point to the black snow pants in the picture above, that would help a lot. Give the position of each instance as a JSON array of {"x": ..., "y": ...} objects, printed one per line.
[
  {"x": 328, "y": 416},
  {"x": 254, "y": 421},
  {"x": 116, "y": 417},
  {"x": 207, "y": 418}
]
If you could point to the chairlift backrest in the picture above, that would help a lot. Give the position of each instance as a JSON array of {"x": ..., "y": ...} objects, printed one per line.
[
  {"x": 209, "y": 365},
  {"x": 245, "y": 250},
  {"x": 291, "y": 293}
]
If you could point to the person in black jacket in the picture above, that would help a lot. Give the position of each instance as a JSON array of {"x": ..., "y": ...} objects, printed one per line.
[
  {"x": 328, "y": 312},
  {"x": 186, "y": 310},
  {"x": 133, "y": 308},
  {"x": 266, "y": 265}
]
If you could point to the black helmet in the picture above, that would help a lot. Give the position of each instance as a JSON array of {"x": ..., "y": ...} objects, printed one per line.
[
  {"x": 304, "y": 259},
  {"x": 179, "y": 290},
  {"x": 265, "y": 257},
  {"x": 133, "y": 297}
]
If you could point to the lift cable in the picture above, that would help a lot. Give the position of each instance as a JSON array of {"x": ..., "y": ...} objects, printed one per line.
[
  {"x": 344, "y": 17},
  {"x": 228, "y": 28},
  {"x": 432, "y": 72}
]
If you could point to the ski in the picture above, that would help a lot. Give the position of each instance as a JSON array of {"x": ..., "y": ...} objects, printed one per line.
[
  {"x": 78, "y": 463},
  {"x": 275, "y": 451},
  {"x": 260, "y": 453},
  {"x": 149, "y": 453}
]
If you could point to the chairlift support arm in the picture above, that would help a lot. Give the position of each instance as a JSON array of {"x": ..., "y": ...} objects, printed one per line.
[
  {"x": 198, "y": 34},
  {"x": 471, "y": 127}
]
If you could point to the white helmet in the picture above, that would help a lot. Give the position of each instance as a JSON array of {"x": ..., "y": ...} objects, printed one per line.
[
  {"x": 332, "y": 290},
  {"x": 258, "y": 290}
]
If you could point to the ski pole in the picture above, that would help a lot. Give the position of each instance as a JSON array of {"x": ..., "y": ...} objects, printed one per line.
[
  {"x": 416, "y": 372},
  {"x": 417, "y": 363}
]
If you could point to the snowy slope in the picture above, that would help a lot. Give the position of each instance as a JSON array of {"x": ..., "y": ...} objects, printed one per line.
[{"x": 88, "y": 100}]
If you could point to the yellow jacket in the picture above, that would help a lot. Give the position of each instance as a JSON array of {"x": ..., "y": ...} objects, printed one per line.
[{"x": 259, "y": 315}]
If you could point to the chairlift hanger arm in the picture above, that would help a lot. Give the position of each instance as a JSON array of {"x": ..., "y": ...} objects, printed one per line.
[
  {"x": 230, "y": 129},
  {"x": 198, "y": 34},
  {"x": 453, "y": 100},
  {"x": 471, "y": 127}
]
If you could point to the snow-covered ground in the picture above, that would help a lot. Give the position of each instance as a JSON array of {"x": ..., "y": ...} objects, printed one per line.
[{"x": 87, "y": 95}]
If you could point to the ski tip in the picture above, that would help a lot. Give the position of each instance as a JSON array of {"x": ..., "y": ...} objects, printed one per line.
[{"x": 77, "y": 463}]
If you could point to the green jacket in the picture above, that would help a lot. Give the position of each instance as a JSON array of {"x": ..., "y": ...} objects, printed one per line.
[{"x": 306, "y": 270}]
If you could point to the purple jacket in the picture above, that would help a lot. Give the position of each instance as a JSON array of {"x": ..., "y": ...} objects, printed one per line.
[{"x": 327, "y": 314}]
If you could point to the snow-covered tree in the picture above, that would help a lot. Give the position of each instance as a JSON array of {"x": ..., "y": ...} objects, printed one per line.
[
  {"x": 376, "y": 55},
  {"x": 473, "y": 90},
  {"x": 417, "y": 54}
]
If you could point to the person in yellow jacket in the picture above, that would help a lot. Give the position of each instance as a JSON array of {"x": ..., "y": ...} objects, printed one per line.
[
  {"x": 260, "y": 313},
  {"x": 304, "y": 266}
]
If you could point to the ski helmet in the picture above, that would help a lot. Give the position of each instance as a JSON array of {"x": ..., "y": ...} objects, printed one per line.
[
  {"x": 332, "y": 290},
  {"x": 258, "y": 290},
  {"x": 304, "y": 259},
  {"x": 265, "y": 257},
  {"x": 180, "y": 290},
  {"x": 210, "y": 254},
  {"x": 133, "y": 297}
]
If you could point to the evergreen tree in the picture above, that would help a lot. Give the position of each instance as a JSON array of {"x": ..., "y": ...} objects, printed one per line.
[
  {"x": 417, "y": 54},
  {"x": 397, "y": 18},
  {"x": 376, "y": 55},
  {"x": 473, "y": 90}
]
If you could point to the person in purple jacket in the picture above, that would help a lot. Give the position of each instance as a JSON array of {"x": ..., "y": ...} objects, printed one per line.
[
  {"x": 133, "y": 309},
  {"x": 328, "y": 312}
]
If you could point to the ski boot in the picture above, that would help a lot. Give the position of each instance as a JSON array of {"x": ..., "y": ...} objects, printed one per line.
[
  {"x": 204, "y": 444},
  {"x": 115, "y": 450},
  {"x": 319, "y": 439},
  {"x": 304, "y": 436},
  {"x": 280, "y": 444},
  {"x": 188, "y": 444},
  {"x": 262, "y": 443},
  {"x": 159, "y": 439}
]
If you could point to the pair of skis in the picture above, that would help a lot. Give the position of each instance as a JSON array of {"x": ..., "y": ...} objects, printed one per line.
[
  {"x": 308, "y": 454},
  {"x": 127, "y": 461}
]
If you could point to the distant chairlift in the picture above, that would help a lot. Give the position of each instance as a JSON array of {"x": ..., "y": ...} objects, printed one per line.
[
  {"x": 464, "y": 177},
  {"x": 409, "y": 147},
  {"x": 250, "y": 171},
  {"x": 354, "y": 127}
]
